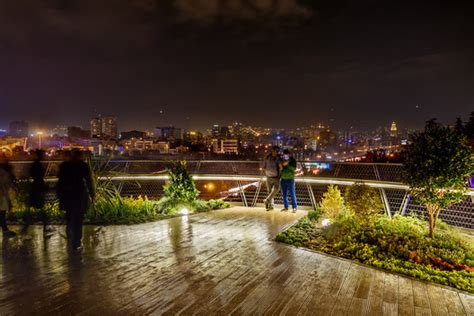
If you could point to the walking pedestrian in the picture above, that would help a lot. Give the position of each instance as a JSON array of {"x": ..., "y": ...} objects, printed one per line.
[
  {"x": 75, "y": 191},
  {"x": 7, "y": 181},
  {"x": 38, "y": 188}
]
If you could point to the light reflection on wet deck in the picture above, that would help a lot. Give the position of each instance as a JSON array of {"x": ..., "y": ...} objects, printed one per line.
[{"x": 217, "y": 263}]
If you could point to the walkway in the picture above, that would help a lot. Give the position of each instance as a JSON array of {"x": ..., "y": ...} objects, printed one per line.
[{"x": 217, "y": 263}]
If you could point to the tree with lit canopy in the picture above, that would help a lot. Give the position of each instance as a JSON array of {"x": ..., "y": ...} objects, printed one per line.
[{"x": 437, "y": 163}]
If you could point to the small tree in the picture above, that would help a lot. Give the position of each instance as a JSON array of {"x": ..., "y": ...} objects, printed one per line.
[
  {"x": 363, "y": 201},
  {"x": 332, "y": 203},
  {"x": 437, "y": 164},
  {"x": 180, "y": 187}
]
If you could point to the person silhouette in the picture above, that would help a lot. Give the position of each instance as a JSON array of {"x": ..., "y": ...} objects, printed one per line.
[
  {"x": 38, "y": 188},
  {"x": 7, "y": 180},
  {"x": 75, "y": 190}
]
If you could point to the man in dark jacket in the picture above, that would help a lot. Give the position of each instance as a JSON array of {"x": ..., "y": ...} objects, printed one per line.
[{"x": 75, "y": 191}]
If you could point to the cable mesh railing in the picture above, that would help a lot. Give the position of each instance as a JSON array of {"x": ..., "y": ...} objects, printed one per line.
[
  {"x": 361, "y": 171},
  {"x": 241, "y": 182}
]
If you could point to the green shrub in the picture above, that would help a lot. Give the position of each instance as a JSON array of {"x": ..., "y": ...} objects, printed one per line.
[
  {"x": 168, "y": 205},
  {"x": 50, "y": 212},
  {"x": 332, "y": 203},
  {"x": 316, "y": 214},
  {"x": 296, "y": 235},
  {"x": 180, "y": 186},
  {"x": 217, "y": 204},
  {"x": 125, "y": 210},
  {"x": 200, "y": 206},
  {"x": 363, "y": 201}
]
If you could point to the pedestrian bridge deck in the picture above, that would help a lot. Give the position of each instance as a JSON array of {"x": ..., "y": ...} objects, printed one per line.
[{"x": 216, "y": 263}]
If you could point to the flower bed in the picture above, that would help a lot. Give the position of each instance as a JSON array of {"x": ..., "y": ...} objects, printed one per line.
[{"x": 398, "y": 244}]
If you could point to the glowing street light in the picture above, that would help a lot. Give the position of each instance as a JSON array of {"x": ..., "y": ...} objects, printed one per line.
[{"x": 39, "y": 133}]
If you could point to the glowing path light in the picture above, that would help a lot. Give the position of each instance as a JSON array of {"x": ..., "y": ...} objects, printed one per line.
[{"x": 184, "y": 211}]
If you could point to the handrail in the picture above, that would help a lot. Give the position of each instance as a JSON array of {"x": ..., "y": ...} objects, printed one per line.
[{"x": 319, "y": 180}]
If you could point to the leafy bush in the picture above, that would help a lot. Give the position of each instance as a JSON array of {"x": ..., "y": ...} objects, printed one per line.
[
  {"x": 217, "y": 204},
  {"x": 181, "y": 186},
  {"x": 399, "y": 244},
  {"x": 205, "y": 206},
  {"x": 363, "y": 201},
  {"x": 200, "y": 206},
  {"x": 125, "y": 210},
  {"x": 297, "y": 235},
  {"x": 332, "y": 203},
  {"x": 316, "y": 214}
]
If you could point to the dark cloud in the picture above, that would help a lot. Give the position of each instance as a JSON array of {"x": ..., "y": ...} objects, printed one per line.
[
  {"x": 219, "y": 60},
  {"x": 209, "y": 11},
  {"x": 137, "y": 22},
  {"x": 32, "y": 24}
]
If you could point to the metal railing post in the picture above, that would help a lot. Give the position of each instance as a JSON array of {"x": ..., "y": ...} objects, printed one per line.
[
  {"x": 311, "y": 196},
  {"x": 257, "y": 192},
  {"x": 125, "y": 170},
  {"x": 242, "y": 190},
  {"x": 385, "y": 202},
  {"x": 404, "y": 205}
]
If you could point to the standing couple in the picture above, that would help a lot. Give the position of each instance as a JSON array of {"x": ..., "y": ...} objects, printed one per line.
[{"x": 280, "y": 172}]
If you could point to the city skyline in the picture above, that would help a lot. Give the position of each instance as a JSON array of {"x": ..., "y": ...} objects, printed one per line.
[
  {"x": 275, "y": 63},
  {"x": 89, "y": 126}
]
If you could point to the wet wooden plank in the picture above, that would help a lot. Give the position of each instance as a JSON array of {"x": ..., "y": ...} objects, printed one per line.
[
  {"x": 468, "y": 303},
  {"x": 347, "y": 290},
  {"x": 453, "y": 302},
  {"x": 375, "y": 299},
  {"x": 315, "y": 284},
  {"x": 437, "y": 302},
  {"x": 420, "y": 295},
  {"x": 406, "y": 305},
  {"x": 324, "y": 302},
  {"x": 358, "y": 307},
  {"x": 422, "y": 311}
]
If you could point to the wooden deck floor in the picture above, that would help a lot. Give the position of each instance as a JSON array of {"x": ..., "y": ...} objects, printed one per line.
[{"x": 219, "y": 263}]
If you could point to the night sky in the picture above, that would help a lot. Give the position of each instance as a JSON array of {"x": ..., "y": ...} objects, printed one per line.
[{"x": 275, "y": 63}]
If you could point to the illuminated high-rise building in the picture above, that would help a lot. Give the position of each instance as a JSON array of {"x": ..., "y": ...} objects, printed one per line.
[
  {"x": 216, "y": 130},
  {"x": 104, "y": 127},
  {"x": 109, "y": 127},
  {"x": 393, "y": 130},
  {"x": 96, "y": 127}
]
